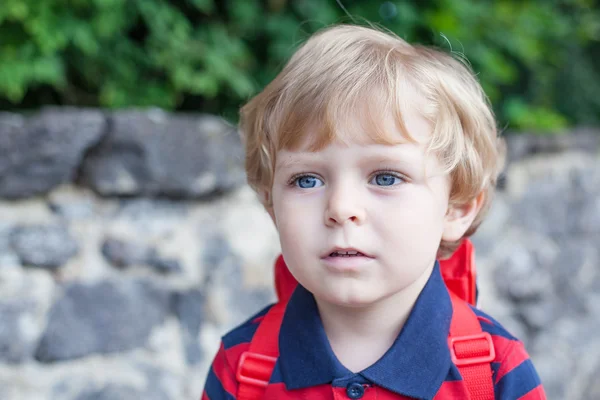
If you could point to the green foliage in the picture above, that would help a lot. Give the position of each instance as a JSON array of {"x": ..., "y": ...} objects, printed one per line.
[
  {"x": 538, "y": 60},
  {"x": 119, "y": 53}
]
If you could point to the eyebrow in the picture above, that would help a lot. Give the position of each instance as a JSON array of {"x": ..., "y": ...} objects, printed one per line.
[
  {"x": 407, "y": 159},
  {"x": 368, "y": 159},
  {"x": 289, "y": 162}
]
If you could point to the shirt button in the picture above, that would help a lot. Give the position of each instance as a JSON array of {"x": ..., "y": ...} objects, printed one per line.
[{"x": 355, "y": 390}]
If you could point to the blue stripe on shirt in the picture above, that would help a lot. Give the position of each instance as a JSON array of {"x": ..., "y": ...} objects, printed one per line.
[
  {"x": 214, "y": 389},
  {"x": 518, "y": 382}
]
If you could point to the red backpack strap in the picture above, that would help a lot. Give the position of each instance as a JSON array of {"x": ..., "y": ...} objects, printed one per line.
[
  {"x": 256, "y": 365},
  {"x": 472, "y": 350},
  {"x": 285, "y": 283},
  {"x": 459, "y": 272}
]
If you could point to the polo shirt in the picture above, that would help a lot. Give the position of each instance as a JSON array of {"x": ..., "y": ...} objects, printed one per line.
[{"x": 417, "y": 366}]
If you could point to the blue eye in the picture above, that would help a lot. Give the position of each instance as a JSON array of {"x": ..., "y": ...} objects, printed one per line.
[
  {"x": 386, "y": 180},
  {"x": 308, "y": 182}
]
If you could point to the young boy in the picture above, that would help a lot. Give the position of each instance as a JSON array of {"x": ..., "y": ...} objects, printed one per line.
[{"x": 374, "y": 158}]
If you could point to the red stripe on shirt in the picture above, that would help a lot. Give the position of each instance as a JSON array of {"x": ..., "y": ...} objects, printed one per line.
[
  {"x": 510, "y": 354},
  {"x": 502, "y": 346},
  {"x": 383, "y": 394},
  {"x": 452, "y": 390},
  {"x": 484, "y": 319},
  {"x": 277, "y": 391},
  {"x": 224, "y": 373},
  {"x": 234, "y": 353}
]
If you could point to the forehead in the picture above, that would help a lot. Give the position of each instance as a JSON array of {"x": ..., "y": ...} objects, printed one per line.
[
  {"x": 369, "y": 116},
  {"x": 365, "y": 126},
  {"x": 375, "y": 133}
]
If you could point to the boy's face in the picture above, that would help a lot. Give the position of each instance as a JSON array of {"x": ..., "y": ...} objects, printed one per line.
[{"x": 372, "y": 199}]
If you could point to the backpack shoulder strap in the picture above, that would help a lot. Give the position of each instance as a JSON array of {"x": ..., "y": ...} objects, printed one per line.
[
  {"x": 256, "y": 365},
  {"x": 472, "y": 350},
  {"x": 285, "y": 283},
  {"x": 459, "y": 272}
]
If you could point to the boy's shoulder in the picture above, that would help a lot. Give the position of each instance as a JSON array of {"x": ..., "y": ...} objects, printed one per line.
[
  {"x": 491, "y": 325},
  {"x": 243, "y": 333},
  {"x": 511, "y": 359}
]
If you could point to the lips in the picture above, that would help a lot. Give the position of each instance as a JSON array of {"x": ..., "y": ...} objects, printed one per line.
[
  {"x": 345, "y": 253},
  {"x": 346, "y": 260}
]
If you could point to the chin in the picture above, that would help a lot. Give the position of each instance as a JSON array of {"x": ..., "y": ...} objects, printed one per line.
[{"x": 351, "y": 300}]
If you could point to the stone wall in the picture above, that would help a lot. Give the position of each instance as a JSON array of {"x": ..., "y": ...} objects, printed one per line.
[{"x": 129, "y": 243}]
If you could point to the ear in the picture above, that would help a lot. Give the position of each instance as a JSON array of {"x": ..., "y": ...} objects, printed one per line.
[{"x": 460, "y": 217}]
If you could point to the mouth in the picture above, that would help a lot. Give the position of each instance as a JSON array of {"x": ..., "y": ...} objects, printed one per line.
[
  {"x": 346, "y": 260},
  {"x": 346, "y": 253}
]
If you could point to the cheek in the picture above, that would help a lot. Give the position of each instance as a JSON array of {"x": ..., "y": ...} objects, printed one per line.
[
  {"x": 292, "y": 208},
  {"x": 411, "y": 220},
  {"x": 295, "y": 221}
]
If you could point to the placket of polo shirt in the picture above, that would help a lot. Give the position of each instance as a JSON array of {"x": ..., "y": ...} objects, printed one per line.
[{"x": 353, "y": 392}]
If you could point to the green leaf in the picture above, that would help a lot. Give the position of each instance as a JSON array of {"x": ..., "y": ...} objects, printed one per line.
[
  {"x": 536, "y": 119},
  {"x": 206, "y": 6}
]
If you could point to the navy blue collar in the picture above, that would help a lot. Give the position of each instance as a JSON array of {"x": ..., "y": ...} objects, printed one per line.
[{"x": 415, "y": 366}]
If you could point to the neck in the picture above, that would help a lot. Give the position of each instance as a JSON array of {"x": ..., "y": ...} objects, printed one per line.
[{"x": 359, "y": 336}]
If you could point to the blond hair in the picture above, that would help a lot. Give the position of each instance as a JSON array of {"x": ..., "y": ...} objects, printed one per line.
[{"x": 346, "y": 68}]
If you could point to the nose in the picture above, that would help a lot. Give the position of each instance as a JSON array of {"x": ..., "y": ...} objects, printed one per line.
[{"x": 344, "y": 205}]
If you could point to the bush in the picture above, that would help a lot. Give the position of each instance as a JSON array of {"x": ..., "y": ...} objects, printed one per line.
[{"x": 538, "y": 60}]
